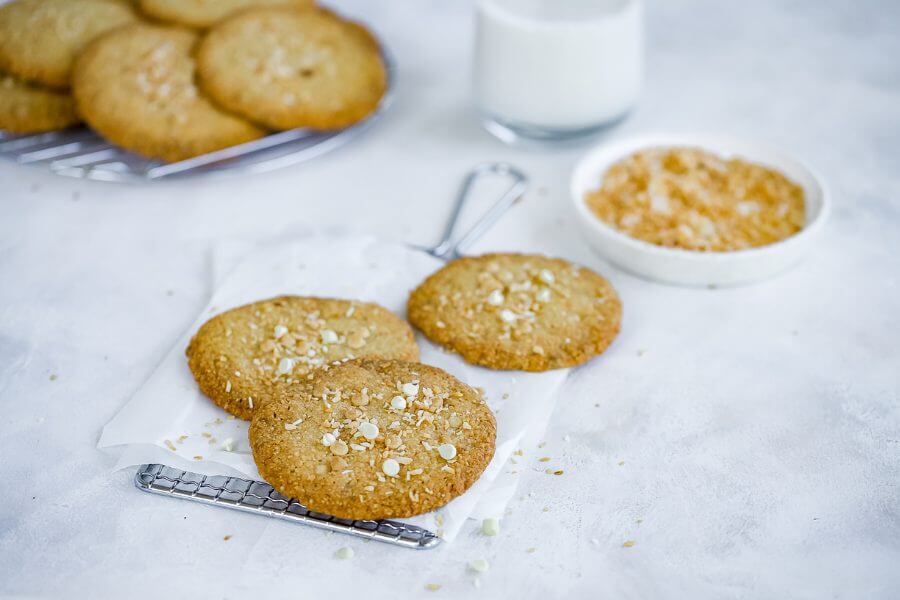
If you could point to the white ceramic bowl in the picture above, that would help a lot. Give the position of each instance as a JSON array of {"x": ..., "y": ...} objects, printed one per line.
[{"x": 691, "y": 267}]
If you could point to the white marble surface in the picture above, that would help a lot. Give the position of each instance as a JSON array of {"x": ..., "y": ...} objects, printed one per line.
[{"x": 748, "y": 440}]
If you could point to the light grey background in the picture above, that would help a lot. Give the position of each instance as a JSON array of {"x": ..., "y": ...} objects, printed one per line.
[{"x": 759, "y": 426}]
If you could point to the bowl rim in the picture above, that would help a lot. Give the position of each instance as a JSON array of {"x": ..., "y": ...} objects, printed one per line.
[{"x": 606, "y": 153}]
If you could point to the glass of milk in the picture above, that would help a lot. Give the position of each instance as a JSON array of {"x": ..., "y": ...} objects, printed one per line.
[{"x": 556, "y": 69}]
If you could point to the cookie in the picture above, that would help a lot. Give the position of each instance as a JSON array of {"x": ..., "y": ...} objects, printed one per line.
[
  {"x": 135, "y": 86},
  {"x": 39, "y": 39},
  {"x": 517, "y": 311},
  {"x": 27, "y": 108},
  {"x": 375, "y": 439},
  {"x": 288, "y": 68},
  {"x": 243, "y": 356},
  {"x": 203, "y": 13}
]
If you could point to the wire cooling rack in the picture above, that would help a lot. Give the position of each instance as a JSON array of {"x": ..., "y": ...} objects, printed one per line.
[
  {"x": 79, "y": 152},
  {"x": 259, "y": 497}
]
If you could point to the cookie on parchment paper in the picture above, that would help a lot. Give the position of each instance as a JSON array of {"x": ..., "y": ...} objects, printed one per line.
[
  {"x": 40, "y": 39},
  {"x": 27, "y": 108},
  {"x": 286, "y": 68},
  {"x": 135, "y": 86},
  {"x": 242, "y": 357},
  {"x": 375, "y": 439},
  {"x": 517, "y": 311},
  {"x": 204, "y": 13}
]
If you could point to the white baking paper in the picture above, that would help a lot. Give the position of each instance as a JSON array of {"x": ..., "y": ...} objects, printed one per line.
[{"x": 169, "y": 405}]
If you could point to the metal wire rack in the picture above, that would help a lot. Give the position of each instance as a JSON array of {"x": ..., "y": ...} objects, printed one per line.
[
  {"x": 79, "y": 152},
  {"x": 259, "y": 497}
]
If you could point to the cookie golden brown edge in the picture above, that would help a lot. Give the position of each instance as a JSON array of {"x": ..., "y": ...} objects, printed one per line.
[
  {"x": 27, "y": 108},
  {"x": 242, "y": 357},
  {"x": 135, "y": 86},
  {"x": 286, "y": 68},
  {"x": 40, "y": 39},
  {"x": 517, "y": 311},
  {"x": 374, "y": 439},
  {"x": 205, "y": 13}
]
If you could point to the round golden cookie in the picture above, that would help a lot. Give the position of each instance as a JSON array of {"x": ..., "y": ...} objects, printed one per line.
[
  {"x": 204, "y": 13},
  {"x": 244, "y": 356},
  {"x": 289, "y": 68},
  {"x": 375, "y": 439},
  {"x": 517, "y": 311},
  {"x": 40, "y": 39},
  {"x": 27, "y": 108},
  {"x": 135, "y": 86}
]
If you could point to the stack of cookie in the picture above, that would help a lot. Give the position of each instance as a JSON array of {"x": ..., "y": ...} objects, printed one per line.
[
  {"x": 343, "y": 417},
  {"x": 177, "y": 79}
]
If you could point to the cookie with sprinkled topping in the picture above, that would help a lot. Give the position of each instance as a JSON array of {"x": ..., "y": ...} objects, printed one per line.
[
  {"x": 288, "y": 68},
  {"x": 27, "y": 108},
  {"x": 244, "y": 356},
  {"x": 517, "y": 311},
  {"x": 135, "y": 86},
  {"x": 39, "y": 39},
  {"x": 204, "y": 13},
  {"x": 375, "y": 439}
]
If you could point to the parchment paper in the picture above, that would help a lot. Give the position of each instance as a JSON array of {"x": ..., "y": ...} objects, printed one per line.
[{"x": 169, "y": 405}]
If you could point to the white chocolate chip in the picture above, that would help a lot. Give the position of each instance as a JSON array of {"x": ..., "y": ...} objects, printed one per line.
[
  {"x": 543, "y": 295},
  {"x": 447, "y": 451},
  {"x": 368, "y": 430},
  {"x": 496, "y": 298},
  {"x": 390, "y": 467},
  {"x": 329, "y": 337},
  {"x": 328, "y": 439},
  {"x": 410, "y": 389},
  {"x": 507, "y": 316},
  {"x": 285, "y": 365},
  {"x": 228, "y": 445},
  {"x": 398, "y": 402},
  {"x": 280, "y": 330},
  {"x": 547, "y": 276},
  {"x": 344, "y": 553},
  {"x": 479, "y": 565},
  {"x": 490, "y": 526}
]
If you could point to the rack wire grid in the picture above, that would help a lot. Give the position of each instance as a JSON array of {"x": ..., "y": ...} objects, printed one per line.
[
  {"x": 261, "y": 498},
  {"x": 81, "y": 153}
]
